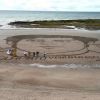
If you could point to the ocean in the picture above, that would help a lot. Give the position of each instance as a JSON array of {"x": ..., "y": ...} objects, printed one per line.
[{"x": 10, "y": 16}]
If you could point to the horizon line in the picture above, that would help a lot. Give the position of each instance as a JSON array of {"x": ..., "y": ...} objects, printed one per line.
[{"x": 47, "y": 10}]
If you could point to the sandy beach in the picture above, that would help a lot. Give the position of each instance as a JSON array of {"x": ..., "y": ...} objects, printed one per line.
[
  {"x": 23, "y": 78},
  {"x": 32, "y": 83},
  {"x": 61, "y": 46}
]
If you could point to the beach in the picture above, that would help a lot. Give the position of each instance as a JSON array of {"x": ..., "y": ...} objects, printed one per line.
[
  {"x": 69, "y": 71},
  {"x": 60, "y": 45},
  {"x": 19, "y": 82}
]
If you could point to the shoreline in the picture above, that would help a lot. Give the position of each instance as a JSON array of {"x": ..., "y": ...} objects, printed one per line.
[
  {"x": 78, "y": 24},
  {"x": 86, "y": 24}
]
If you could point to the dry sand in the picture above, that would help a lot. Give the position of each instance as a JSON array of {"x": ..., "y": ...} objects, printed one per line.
[
  {"x": 31, "y": 83},
  {"x": 59, "y": 49},
  {"x": 23, "y": 82}
]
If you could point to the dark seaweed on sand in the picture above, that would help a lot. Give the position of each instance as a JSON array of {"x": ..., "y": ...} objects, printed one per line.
[{"x": 90, "y": 24}]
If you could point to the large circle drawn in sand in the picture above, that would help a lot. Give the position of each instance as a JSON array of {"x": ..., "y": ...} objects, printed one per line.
[
  {"x": 51, "y": 45},
  {"x": 56, "y": 44}
]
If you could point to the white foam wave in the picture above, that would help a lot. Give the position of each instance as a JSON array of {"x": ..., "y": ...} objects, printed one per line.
[
  {"x": 66, "y": 66},
  {"x": 43, "y": 66}
]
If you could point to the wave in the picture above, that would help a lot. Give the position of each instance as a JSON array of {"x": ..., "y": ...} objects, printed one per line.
[{"x": 65, "y": 66}]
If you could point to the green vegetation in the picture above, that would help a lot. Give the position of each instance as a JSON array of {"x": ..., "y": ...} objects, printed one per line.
[{"x": 90, "y": 24}]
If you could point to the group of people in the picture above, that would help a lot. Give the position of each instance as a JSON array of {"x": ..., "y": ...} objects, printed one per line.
[
  {"x": 13, "y": 53},
  {"x": 35, "y": 54}
]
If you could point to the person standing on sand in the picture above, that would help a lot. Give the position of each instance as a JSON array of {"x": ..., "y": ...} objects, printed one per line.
[
  {"x": 14, "y": 52},
  {"x": 37, "y": 54},
  {"x": 25, "y": 53},
  {"x": 44, "y": 56},
  {"x": 34, "y": 54},
  {"x": 9, "y": 52}
]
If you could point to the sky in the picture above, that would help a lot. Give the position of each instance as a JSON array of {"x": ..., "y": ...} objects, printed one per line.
[{"x": 51, "y": 5}]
